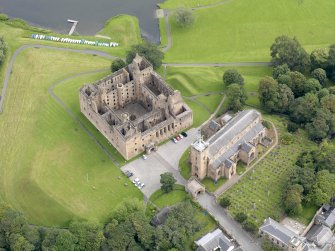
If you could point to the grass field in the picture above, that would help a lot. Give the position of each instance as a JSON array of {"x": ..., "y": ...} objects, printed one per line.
[
  {"x": 173, "y": 4},
  {"x": 123, "y": 29},
  {"x": 162, "y": 30},
  {"x": 265, "y": 185},
  {"x": 239, "y": 31},
  {"x": 49, "y": 167},
  {"x": 196, "y": 80}
]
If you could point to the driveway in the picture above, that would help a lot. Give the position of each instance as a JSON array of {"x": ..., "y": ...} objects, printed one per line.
[
  {"x": 166, "y": 159},
  {"x": 234, "y": 229}
]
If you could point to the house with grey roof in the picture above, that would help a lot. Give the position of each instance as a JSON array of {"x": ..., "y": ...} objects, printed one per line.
[
  {"x": 214, "y": 241},
  {"x": 326, "y": 217},
  {"x": 236, "y": 140},
  {"x": 280, "y": 235}
]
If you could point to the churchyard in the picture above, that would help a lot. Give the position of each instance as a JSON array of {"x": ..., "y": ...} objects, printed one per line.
[{"x": 259, "y": 193}]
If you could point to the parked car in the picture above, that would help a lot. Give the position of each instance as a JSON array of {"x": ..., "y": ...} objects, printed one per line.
[
  {"x": 181, "y": 136},
  {"x": 184, "y": 134},
  {"x": 141, "y": 185},
  {"x": 178, "y": 138},
  {"x": 135, "y": 181},
  {"x": 128, "y": 174},
  {"x": 174, "y": 140},
  {"x": 144, "y": 156}
]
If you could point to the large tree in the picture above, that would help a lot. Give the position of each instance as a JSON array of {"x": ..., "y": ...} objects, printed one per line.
[
  {"x": 184, "y": 17},
  {"x": 292, "y": 200},
  {"x": 274, "y": 97},
  {"x": 177, "y": 229},
  {"x": 319, "y": 58},
  {"x": 322, "y": 125},
  {"x": 303, "y": 109},
  {"x": 150, "y": 51},
  {"x": 167, "y": 182},
  {"x": 331, "y": 63},
  {"x": 232, "y": 76},
  {"x": 324, "y": 188},
  {"x": 286, "y": 50},
  {"x": 321, "y": 75},
  {"x": 89, "y": 236},
  {"x": 236, "y": 97}
]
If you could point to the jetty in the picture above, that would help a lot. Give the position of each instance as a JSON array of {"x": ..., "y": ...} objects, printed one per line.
[{"x": 73, "y": 26}]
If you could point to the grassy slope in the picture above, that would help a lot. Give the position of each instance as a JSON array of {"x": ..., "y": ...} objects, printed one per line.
[
  {"x": 266, "y": 184},
  {"x": 68, "y": 92},
  {"x": 162, "y": 31},
  {"x": 123, "y": 29},
  {"x": 45, "y": 156},
  {"x": 238, "y": 31},
  {"x": 173, "y": 4},
  {"x": 194, "y": 80}
]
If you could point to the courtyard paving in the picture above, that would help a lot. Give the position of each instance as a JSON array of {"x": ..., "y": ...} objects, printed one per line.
[{"x": 166, "y": 159}]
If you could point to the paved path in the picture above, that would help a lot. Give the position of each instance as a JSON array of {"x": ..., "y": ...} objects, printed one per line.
[
  {"x": 234, "y": 229},
  {"x": 168, "y": 31},
  {"x": 236, "y": 178},
  {"x": 22, "y": 48}
]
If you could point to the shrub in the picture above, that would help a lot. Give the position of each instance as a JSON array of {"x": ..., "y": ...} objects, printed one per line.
[
  {"x": 250, "y": 226},
  {"x": 225, "y": 202},
  {"x": 292, "y": 127},
  {"x": 241, "y": 217},
  {"x": 287, "y": 139},
  {"x": 184, "y": 17},
  {"x": 117, "y": 65},
  {"x": 232, "y": 76},
  {"x": 3, "y": 17}
]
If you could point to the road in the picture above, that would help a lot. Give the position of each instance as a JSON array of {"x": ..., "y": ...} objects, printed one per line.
[{"x": 246, "y": 241}]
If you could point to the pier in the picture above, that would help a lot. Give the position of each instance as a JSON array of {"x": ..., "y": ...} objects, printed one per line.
[{"x": 73, "y": 26}]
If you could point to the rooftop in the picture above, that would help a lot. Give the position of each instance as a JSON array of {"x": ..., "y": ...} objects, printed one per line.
[
  {"x": 213, "y": 240},
  {"x": 236, "y": 125},
  {"x": 278, "y": 231}
]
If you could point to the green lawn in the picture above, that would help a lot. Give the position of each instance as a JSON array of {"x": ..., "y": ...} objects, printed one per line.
[
  {"x": 162, "y": 31},
  {"x": 161, "y": 199},
  {"x": 184, "y": 165},
  {"x": 50, "y": 169},
  {"x": 307, "y": 214},
  {"x": 191, "y": 81},
  {"x": 200, "y": 114},
  {"x": 240, "y": 31},
  {"x": 123, "y": 29},
  {"x": 211, "y": 101},
  {"x": 266, "y": 184},
  {"x": 68, "y": 92},
  {"x": 210, "y": 185},
  {"x": 173, "y": 4},
  {"x": 199, "y": 80}
]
